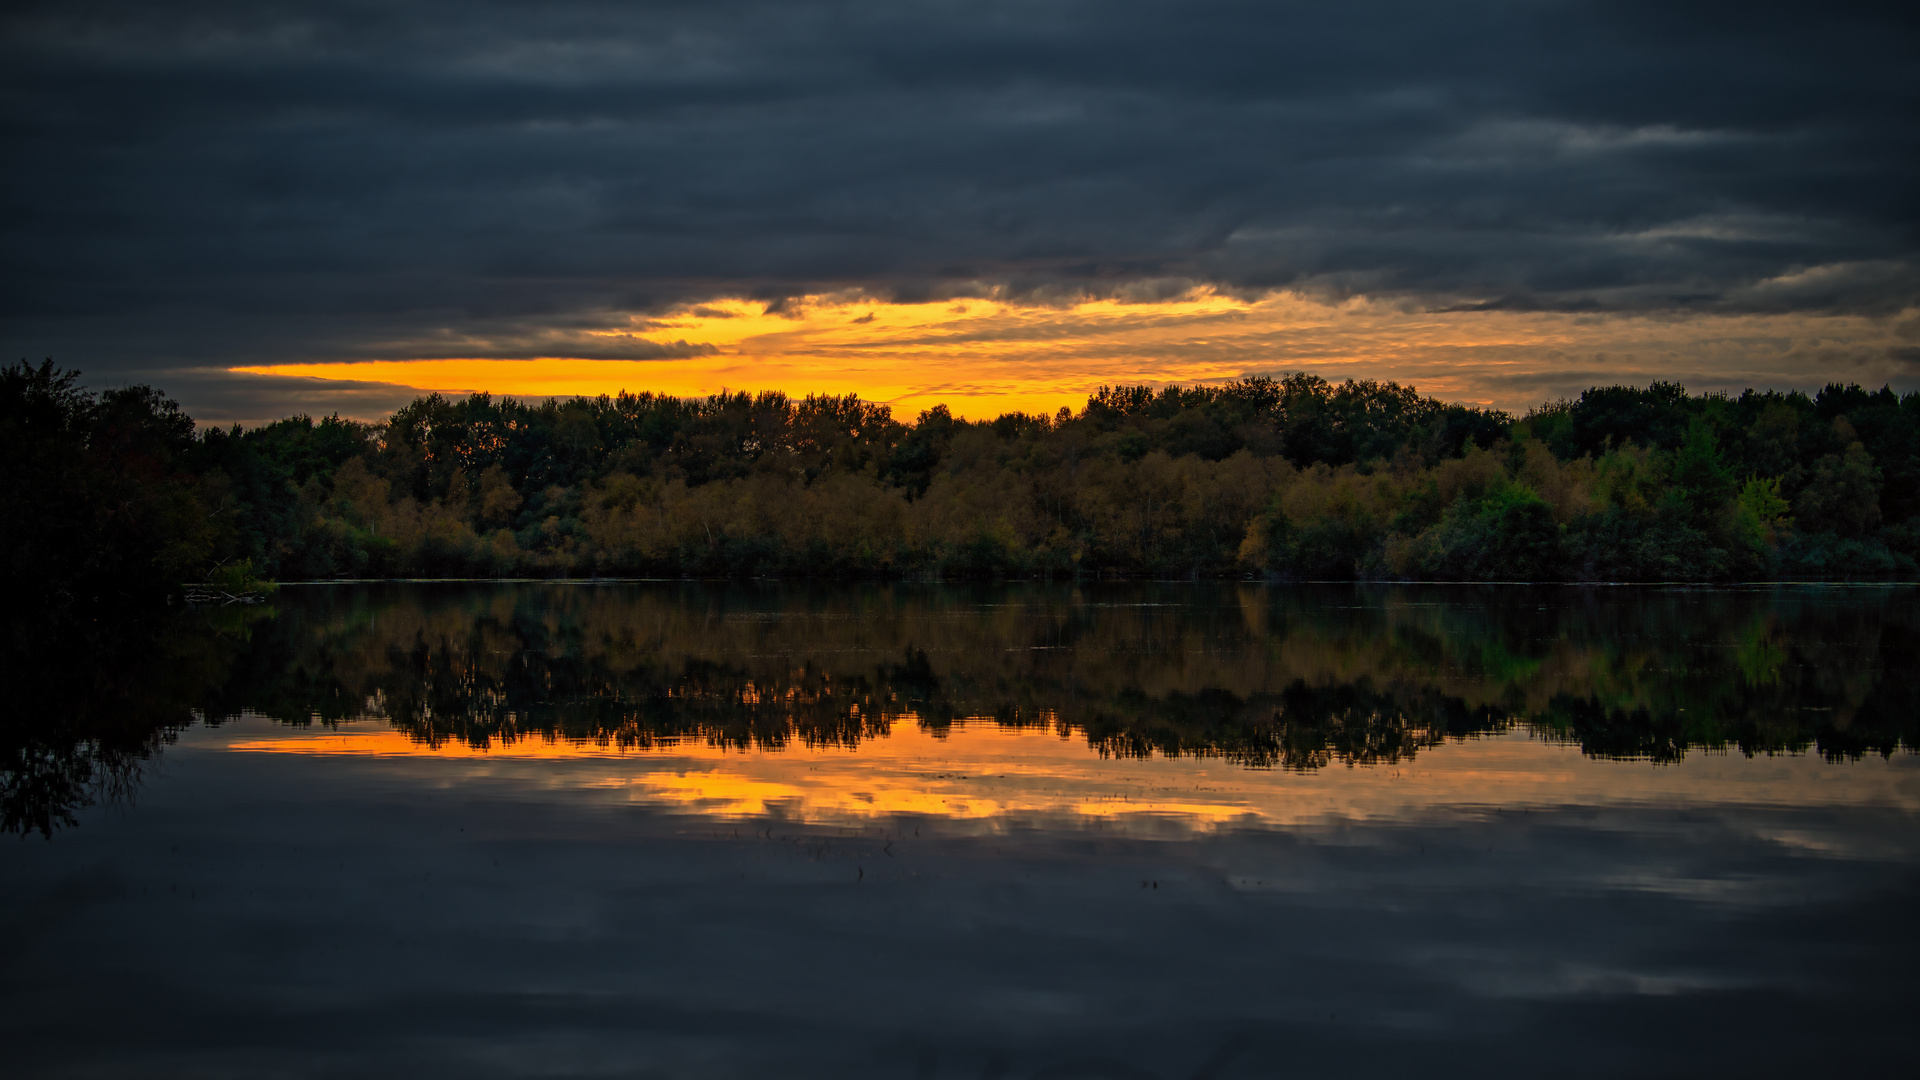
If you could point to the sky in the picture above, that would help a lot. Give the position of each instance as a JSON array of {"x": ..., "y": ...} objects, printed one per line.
[{"x": 268, "y": 208}]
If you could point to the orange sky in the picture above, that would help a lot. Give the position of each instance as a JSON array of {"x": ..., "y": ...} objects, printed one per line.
[{"x": 983, "y": 357}]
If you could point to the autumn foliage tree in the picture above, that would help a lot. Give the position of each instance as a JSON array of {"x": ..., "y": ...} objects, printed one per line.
[{"x": 1289, "y": 478}]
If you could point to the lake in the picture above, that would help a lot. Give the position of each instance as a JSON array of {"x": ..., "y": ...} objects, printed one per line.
[{"x": 1011, "y": 831}]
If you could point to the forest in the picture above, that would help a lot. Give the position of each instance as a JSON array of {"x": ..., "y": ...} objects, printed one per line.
[{"x": 118, "y": 496}]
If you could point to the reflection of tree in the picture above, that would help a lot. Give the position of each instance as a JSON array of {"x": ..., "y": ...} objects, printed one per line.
[
  {"x": 1301, "y": 727},
  {"x": 1267, "y": 678},
  {"x": 90, "y": 702},
  {"x": 564, "y": 697},
  {"x": 1285, "y": 678}
]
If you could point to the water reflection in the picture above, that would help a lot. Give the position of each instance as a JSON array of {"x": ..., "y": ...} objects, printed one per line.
[
  {"x": 1003, "y": 778},
  {"x": 1142, "y": 831},
  {"x": 1293, "y": 678},
  {"x": 90, "y": 704}
]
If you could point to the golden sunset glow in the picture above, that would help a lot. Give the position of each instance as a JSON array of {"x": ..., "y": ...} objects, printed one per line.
[
  {"x": 984, "y": 357},
  {"x": 982, "y": 772}
]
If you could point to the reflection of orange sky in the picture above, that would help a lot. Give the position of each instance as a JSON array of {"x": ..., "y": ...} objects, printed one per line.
[
  {"x": 983, "y": 772},
  {"x": 983, "y": 357}
]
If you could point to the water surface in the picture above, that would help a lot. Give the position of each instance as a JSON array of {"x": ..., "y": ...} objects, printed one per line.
[{"x": 918, "y": 831}]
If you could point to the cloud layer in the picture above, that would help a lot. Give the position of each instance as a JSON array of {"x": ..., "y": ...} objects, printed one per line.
[{"x": 206, "y": 185}]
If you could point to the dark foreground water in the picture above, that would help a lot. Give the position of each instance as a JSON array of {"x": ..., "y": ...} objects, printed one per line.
[{"x": 1148, "y": 831}]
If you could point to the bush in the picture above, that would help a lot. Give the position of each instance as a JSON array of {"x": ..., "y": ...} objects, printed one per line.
[
  {"x": 1827, "y": 556},
  {"x": 1507, "y": 535}
]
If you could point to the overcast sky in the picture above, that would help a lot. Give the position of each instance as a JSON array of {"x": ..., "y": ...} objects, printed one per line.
[{"x": 195, "y": 187}]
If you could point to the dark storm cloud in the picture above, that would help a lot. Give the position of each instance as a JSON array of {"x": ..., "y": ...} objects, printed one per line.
[{"x": 205, "y": 184}]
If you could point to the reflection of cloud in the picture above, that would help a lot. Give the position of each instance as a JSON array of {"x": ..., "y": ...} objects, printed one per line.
[
  {"x": 420, "y": 915},
  {"x": 982, "y": 772}
]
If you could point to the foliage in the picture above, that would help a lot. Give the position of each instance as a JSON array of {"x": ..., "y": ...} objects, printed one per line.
[
  {"x": 1289, "y": 478},
  {"x": 97, "y": 502}
]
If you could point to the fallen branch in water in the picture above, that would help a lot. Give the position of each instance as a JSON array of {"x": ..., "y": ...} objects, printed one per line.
[{"x": 210, "y": 594}]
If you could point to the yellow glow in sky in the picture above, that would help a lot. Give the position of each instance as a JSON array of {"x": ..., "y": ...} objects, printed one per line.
[{"x": 983, "y": 357}]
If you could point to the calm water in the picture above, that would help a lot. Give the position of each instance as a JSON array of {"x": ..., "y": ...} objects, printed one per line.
[{"x": 1018, "y": 832}]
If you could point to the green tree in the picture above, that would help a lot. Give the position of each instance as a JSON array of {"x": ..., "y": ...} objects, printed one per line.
[{"x": 1844, "y": 495}]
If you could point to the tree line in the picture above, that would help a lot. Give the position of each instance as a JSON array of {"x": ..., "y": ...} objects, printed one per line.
[{"x": 117, "y": 494}]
